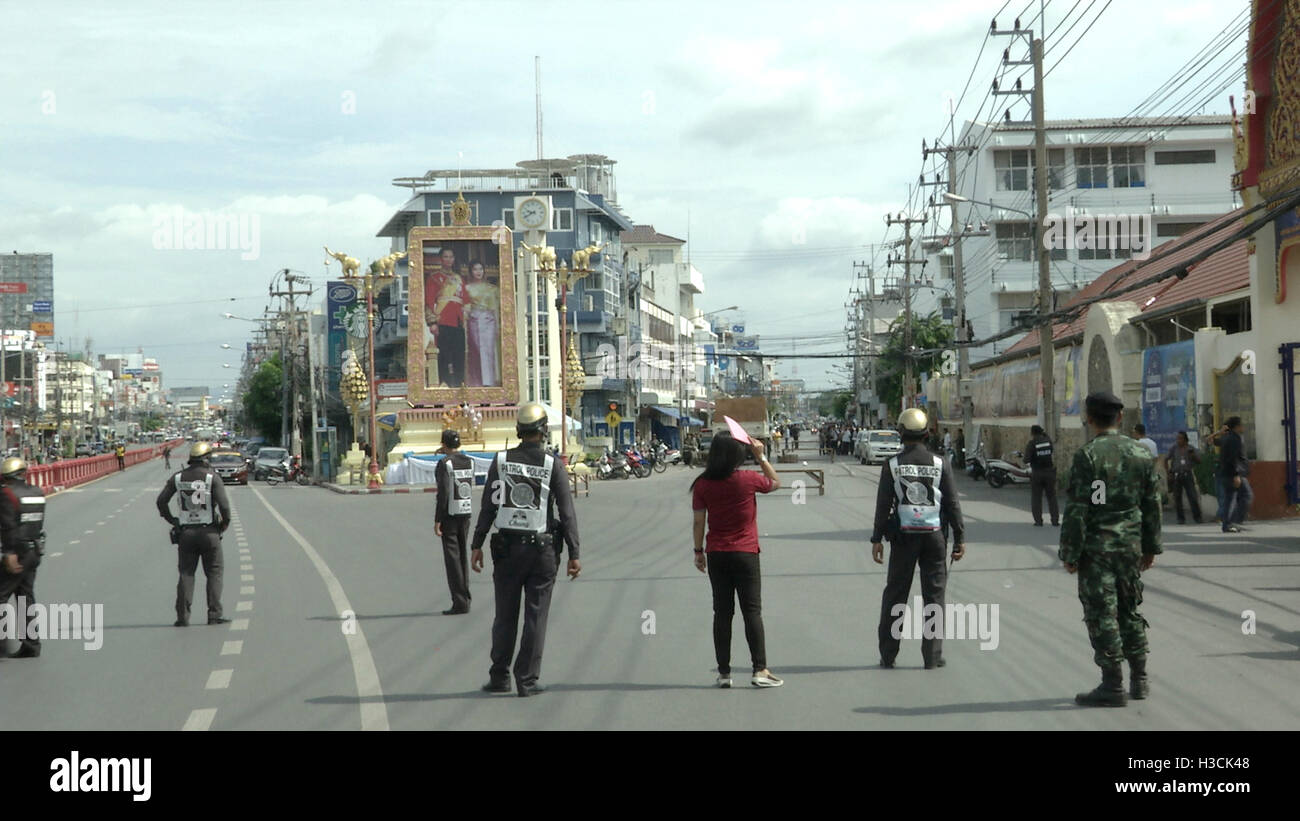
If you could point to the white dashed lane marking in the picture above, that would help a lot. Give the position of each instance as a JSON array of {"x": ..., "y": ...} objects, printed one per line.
[
  {"x": 200, "y": 720},
  {"x": 219, "y": 679},
  {"x": 232, "y": 648},
  {"x": 239, "y": 624},
  {"x": 243, "y": 591},
  {"x": 75, "y": 541},
  {"x": 246, "y": 577},
  {"x": 243, "y": 605}
]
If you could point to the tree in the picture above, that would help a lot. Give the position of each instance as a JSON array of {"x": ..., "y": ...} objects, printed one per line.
[
  {"x": 931, "y": 334},
  {"x": 264, "y": 400},
  {"x": 840, "y": 404}
]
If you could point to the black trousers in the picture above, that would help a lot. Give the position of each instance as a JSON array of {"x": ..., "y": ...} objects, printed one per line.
[
  {"x": 199, "y": 544},
  {"x": 929, "y": 550},
  {"x": 1185, "y": 483},
  {"x": 1040, "y": 482},
  {"x": 455, "y": 544},
  {"x": 736, "y": 575},
  {"x": 451, "y": 355},
  {"x": 521, "y": 567},
  {"x": 22, "y": 584}
]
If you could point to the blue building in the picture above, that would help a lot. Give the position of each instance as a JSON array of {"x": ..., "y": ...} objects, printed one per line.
[{"x": 584, "y": 211}]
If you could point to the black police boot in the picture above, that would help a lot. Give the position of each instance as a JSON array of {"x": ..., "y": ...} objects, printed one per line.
[
  {"x": 28, "y": 651},
  {"x": 1110, "y": 693},
  {"x": 1138, "y": 686}
]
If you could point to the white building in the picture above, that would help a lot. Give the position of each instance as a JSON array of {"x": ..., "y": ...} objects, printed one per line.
[{"x": 1166, "y": 175}]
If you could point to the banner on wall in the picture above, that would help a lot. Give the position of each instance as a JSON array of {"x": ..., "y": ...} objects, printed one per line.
[{"x": 1169, "y": 392}]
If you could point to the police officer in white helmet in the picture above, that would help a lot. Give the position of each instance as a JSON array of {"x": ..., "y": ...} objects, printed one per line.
[
  {"x": 204, "y": 514},
  {"x": 916, "y": 506},
  {"x": 527, "y": 498},
  {"x": 22, "y": 539}
]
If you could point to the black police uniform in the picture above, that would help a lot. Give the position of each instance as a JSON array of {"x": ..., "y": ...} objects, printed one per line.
[
  {"x": 1042, "y": 478},
  {"x": 916, "y": 526},
  {"x": 525, "y": 553},
  {"x": 22, "y": 533},
  {"x": 455, "y": 477},
  {"x": 202, "y": 498}
]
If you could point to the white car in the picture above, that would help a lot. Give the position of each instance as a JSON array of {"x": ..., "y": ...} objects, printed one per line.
[{"x": 877, "y": 446}]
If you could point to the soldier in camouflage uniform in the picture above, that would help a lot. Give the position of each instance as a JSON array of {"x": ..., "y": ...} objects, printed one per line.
[{"x": 1110, "y": 534}]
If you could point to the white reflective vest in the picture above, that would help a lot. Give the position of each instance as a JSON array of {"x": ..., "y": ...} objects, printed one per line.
[
  {"x": 919, "y": 498},
  {"x": 525, "y": 492},
  {"x": 459, "y": 501},
  {"x": 195, "y": 501}
]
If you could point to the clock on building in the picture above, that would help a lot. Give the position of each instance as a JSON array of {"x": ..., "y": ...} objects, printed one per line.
[{"x": 532, "y": 213}]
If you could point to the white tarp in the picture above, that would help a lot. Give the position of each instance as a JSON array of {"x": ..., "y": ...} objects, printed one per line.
[{"x": 419, "y": 470}]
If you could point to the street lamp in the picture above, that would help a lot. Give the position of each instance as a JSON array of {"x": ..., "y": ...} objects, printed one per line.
[
  {"x": 375, "y": 277},
  {"x": 951, "y": 197}
]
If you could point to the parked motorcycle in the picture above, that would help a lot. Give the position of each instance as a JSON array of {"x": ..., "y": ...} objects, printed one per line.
[
  {"x": 294, "y": 473},
  {"x": 613, "y": 466},
  {"x": 1005, "y": 471},
  {"x": 637, "y": 463}
]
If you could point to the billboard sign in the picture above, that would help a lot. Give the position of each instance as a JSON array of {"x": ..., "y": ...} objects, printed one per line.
[{"x": 1169, "y": 392}]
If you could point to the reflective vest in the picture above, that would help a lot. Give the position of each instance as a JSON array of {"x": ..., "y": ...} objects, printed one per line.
[
  {"x": 195, "y": 501},
  {"x": 526, "y": 489},
  {"x": 919, "y": 498},
  {"x": 461, "y": 475},
  {"x": 1041, "y": 458},
  {"x": 30, "y": 514}
]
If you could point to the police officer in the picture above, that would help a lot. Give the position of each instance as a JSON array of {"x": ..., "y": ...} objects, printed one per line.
[
  {"x": 527, "y": 497},
  {"x": 916, "y": 506},
  {"x": 455, "y": 478},
  {"x": 120, "y": 450},
  {"x": 1111, "y": 533},
  {"x": 1042, "y": 477},
  {"x": 22, "y": 539},
  {"x": 204, "y": 514}
]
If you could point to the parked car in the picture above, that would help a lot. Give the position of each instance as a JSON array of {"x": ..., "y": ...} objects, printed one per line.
[
  {"x": 877, "y": 446},
  {"x": 84, "y": 449},
  {"x": 268, "y": 458},
  {"x": 230, "y": 466}
]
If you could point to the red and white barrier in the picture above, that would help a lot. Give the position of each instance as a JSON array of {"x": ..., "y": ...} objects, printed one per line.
[{"x": 67, "y": 473}]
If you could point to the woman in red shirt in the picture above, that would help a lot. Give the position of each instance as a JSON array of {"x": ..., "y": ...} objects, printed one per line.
[{"x": 723, "y": 497}]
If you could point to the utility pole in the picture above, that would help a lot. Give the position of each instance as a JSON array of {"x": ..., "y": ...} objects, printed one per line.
[
  {"x": 950, "y": 153},
  {"x": 289, "y": 437},
  {"x": 909, "y": 393},
  {"x": 1046, "y": 350}
]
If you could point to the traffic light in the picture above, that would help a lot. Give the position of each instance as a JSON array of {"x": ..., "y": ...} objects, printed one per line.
[{"x": 615, "y": 407}]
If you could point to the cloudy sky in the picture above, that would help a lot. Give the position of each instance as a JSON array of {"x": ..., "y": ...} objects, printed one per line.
[{"x": 785, "y": 130}]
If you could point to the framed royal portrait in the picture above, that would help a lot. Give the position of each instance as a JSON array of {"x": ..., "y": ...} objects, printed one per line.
[{"x": 461, "y": 332}]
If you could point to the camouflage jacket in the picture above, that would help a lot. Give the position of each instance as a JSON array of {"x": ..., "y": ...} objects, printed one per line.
[{"x": 1113, "y": 501}]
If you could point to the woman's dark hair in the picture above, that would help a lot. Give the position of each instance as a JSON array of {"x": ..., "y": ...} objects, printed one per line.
[{"x": 726, "y": 453}]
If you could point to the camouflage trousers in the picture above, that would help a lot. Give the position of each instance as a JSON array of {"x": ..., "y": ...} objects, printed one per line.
[{"x": 1110, "y": 588}]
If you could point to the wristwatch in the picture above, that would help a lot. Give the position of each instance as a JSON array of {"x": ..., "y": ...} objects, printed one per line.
[{"x": 699, "y": 550}]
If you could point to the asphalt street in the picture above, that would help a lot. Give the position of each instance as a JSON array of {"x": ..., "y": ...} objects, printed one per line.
[{"x": 629, "y": 643}]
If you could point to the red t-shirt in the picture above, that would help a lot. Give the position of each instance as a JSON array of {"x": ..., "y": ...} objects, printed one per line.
[{"x": 732, "y": 510}]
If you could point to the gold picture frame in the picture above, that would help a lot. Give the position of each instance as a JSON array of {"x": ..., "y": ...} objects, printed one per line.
[{"x": 419, "y": 356}]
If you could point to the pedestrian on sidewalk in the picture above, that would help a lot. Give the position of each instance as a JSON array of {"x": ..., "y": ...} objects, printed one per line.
[
  {"x": 1183, "y": 458},
  {"x": 1042, "y": 477},
  {"x": 1110, "y": 535},
  {"x": 1233, "y": 469},
  {"x": 121, "y": 456},
  {"x": 725, "y": 506}
]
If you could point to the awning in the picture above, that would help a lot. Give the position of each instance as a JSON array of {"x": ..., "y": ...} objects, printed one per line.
[
  {"x": 553, "y": 419},
  {"x": 673, "y": 412},
  {"x": 692, "y": 422}
]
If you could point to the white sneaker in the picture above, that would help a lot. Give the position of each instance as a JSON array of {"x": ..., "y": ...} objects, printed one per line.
[
  {"x": 724, "y": 682},
  {"x": 764, "y": 678}
]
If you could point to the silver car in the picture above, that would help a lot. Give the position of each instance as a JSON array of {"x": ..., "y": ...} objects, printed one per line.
[{"x": 877, "y": 446}]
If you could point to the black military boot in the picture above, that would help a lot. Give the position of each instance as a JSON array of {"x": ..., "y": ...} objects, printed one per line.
[
  {"x": 1110, "y": 693},
  {"x": 1138, "y": 686}
]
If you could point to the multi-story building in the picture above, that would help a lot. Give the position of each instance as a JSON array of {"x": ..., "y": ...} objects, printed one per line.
[
  {"x": 27, "y": 293},
  {"x": 1144, "y": 181},
  {"x": 584, "y": 211},
  {"x": 668, "y": 285}
]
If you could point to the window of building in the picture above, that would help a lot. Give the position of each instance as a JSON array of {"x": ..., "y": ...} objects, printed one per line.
[
  {"x": 597, "y": 232},
  {"x": 945, "y": 266},
  {"x": 1130, "y": 166},
  {"x": 1015, "y": 241},
  {"x": 508, "y": 218},
  {"x": 439, "y": 217},
  {"x": 1185, "y": 157},
  {"x": 661, "y": 256},
  {"x": 1233, "y": 317},
  {"x": 1090, "y": 164},
  {"x": 1011, "y": 168},
  {"x": 562, "y": 219},
  {"x": 1176, "y": 229}
]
